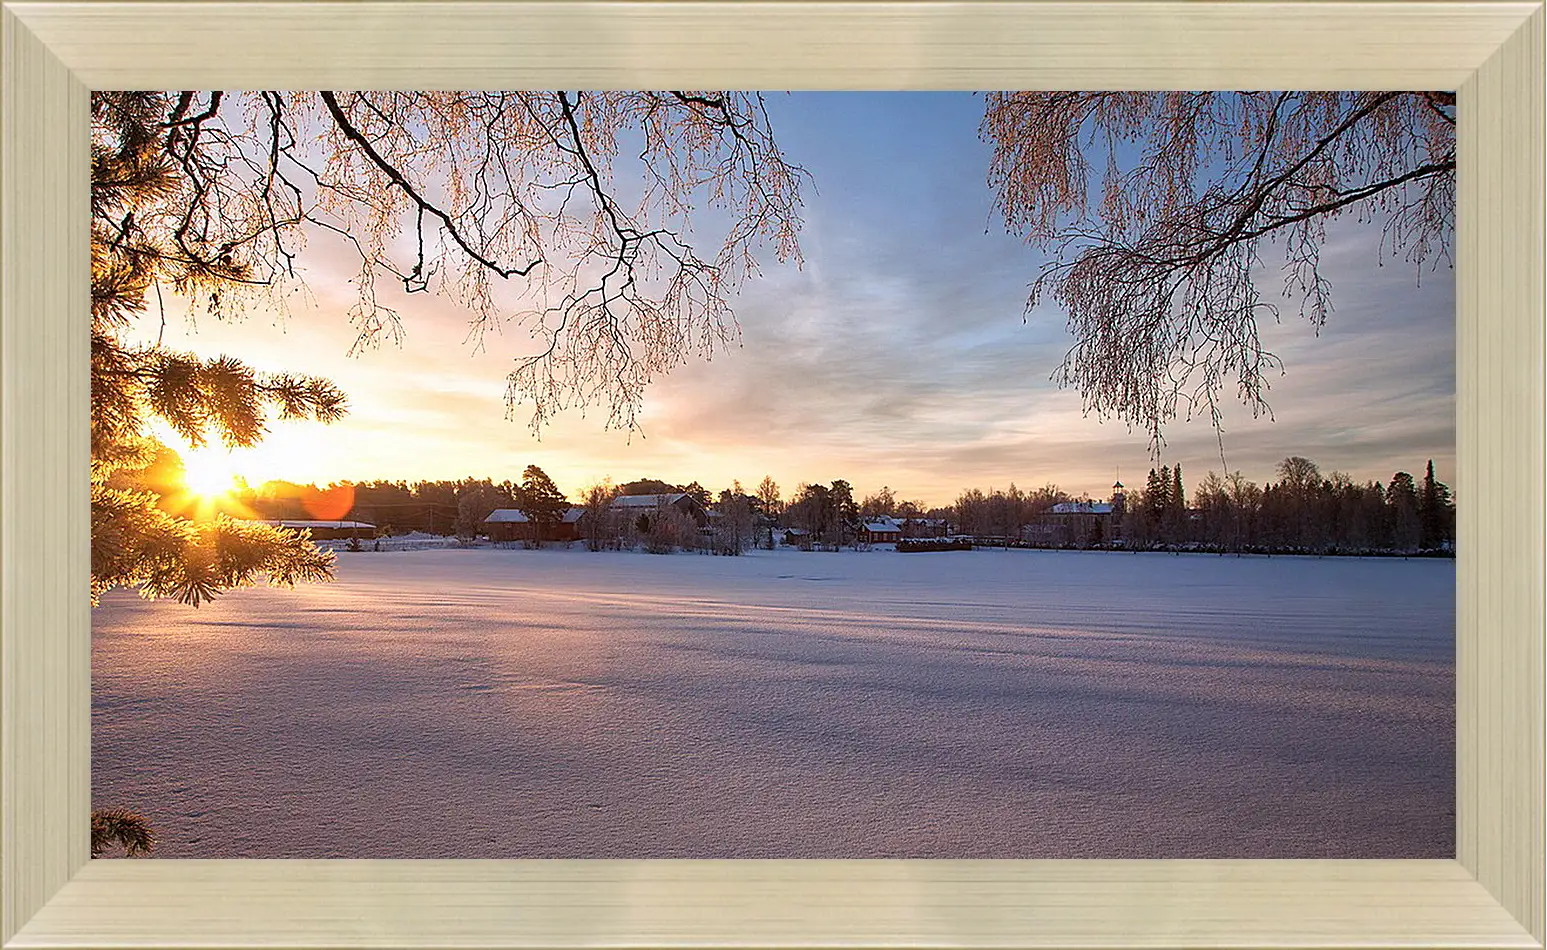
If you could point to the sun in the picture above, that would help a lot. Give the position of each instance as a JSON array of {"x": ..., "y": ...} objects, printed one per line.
[{"x": 208, "y": 472}]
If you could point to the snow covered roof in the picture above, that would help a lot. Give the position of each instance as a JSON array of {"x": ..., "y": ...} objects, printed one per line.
[
  {"x": 1081, "y": 508},
  {"x": 517, "y": 516},
  {"x": 647, "y": 501},
  {"x": 288, "y": 523},
  {"x": 506, "y": 516},
  {"x": 882, "y": 524}
]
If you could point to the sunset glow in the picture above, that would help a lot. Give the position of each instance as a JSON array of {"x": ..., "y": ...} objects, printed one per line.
[{"x": 208, "y": 472}]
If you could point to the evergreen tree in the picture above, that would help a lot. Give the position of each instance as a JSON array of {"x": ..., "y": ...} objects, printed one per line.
[
  {"x": 542, "y": 501},
  {"x": 1157, "y": 497},
  {"x": 135, "y": 541},
  {"x": 1434, "y": 511},
  {"x": 1402, "y": 506},
  {"x": 813, "y": 509},
  {"x": 647, "y": 486},
  {"x": 698, "y": 493},
  {"x": 1176, "y": 500},
  {"x": 845, "y": 510},
  {"x": 118, "y": 826}
]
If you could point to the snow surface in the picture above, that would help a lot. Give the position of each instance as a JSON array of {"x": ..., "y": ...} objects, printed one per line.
[{"x": 1008, "y": 704}]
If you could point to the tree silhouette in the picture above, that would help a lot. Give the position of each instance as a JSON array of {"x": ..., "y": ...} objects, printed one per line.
[
  {"x": 1157, "y": 206},
  {"x": 1435, "y": 513},
  {"x": 1402, "y": 502},
  {"x": 541, "y": 501},
  {"x": 565, "y": 212},
  {"x": 602, "y": 525}
]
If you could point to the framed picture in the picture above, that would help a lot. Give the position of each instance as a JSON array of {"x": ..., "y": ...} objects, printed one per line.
[{"x": 55, "y": 54}]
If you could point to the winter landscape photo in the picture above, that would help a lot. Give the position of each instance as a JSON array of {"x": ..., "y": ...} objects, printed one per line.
[{"x": 712, "y": 474}]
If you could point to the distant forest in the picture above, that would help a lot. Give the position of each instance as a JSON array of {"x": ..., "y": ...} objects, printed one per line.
[{"x": 1303, "y": 511}]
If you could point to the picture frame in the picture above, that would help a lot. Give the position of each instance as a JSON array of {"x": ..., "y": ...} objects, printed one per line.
[{"x": 52, "y": 895}]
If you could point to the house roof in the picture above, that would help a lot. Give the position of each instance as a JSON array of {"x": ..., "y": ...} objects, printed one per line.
[
  {"x": 885, "y": 524},
  {"x": 647, "y": 501},
  {"x": 1081, "y": 508},
  {"x": 517, "y": 516},
  {"x": 506, "y": 516}
]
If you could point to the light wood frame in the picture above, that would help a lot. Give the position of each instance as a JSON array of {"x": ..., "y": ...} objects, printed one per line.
[{"x": 54, "y": 53}]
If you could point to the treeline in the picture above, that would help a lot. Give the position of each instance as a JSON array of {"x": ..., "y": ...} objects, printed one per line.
[
  {"x": 830, "y": 515},
  {"x": 1004, "y": 513},
  {"x": 461, "y": 506},
  {"x": 1303, "y": 512},
  {"x": 444, "y": 507}
]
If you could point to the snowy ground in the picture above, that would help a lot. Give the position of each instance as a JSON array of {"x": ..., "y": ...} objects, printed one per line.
[{"x": 509, "y": 703}]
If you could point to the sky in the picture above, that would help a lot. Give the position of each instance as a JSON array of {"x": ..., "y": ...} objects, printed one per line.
[{"x": 900, "y": 354}]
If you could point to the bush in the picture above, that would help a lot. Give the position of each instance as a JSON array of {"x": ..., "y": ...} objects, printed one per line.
[{"x": 934, "y": 544}]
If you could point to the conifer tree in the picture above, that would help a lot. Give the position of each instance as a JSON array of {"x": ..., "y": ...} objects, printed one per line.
[
  {"x": 542, "y": 501},
  {"x": 135, "y": 543},
  {"x": 1434, "y": 511},
  {"x": 1402, "y": 502},
  {"x": 1157, "y": 494},
  {"x": 123, "y": 828},
  {"x": 1177, "y": 497}
]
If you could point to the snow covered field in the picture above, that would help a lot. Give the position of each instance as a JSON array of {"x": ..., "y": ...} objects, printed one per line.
[{"x": 509, "y": 703}]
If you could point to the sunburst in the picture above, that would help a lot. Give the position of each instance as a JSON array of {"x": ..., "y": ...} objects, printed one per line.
[{"x": 208, "y": 472}]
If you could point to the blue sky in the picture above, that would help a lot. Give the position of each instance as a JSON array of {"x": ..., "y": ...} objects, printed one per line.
[{"x": 900, "y": 354}]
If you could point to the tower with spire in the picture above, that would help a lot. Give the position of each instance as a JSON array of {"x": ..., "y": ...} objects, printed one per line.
[{"x": 1119, "y": 498}]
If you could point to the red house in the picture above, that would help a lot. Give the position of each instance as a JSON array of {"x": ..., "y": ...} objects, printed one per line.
[
  {"x": 512, "y": 524},
  {"x": 881, "y": 530}
]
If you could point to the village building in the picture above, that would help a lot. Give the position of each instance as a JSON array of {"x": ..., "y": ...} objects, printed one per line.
[
  {"x": 880, "y": 530},
  {"x": 797, "y": 536},
  {"x": 1079, "y": 524},
  {"x": 647, "y": 505},
  {"x": 925, "y": 528},
  {"x": 512, "y": 524}
]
